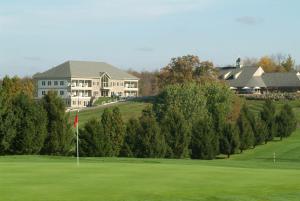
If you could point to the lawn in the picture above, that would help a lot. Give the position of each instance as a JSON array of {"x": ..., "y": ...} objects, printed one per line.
[
  {"x": 251, "y": 176},
  {"x": 129, "y": 109}
]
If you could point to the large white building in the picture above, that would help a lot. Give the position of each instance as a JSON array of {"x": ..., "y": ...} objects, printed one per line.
[{"x": 81, "y": 82}]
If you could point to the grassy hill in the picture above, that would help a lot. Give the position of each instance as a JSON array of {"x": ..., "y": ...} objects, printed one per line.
[
  {"x": 133, "y": 109},
  {"x": 128, "y": 110},
  {"x": 251, "y": 176}
]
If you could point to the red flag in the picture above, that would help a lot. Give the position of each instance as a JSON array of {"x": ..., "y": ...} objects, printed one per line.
[{"x": 76, "y": 120}]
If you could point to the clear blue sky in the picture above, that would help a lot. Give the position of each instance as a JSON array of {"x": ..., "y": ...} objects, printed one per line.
[{"x": 143, "y": 34}]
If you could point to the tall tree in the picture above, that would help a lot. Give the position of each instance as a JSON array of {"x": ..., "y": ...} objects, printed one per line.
[
  {"x": 204, "y": 143},
  {"x": 288, "y": 64},
  {"x": 286, "y": 121},
  {"x": 129, "y": 148},
  {"x": 229, "y": 141},
  {"x": 119, "y": 131},
  {"x": 245, "y": 130},
  {"x": 177, "y": 134},
  {"x": 92, "y": 139},
  {"x": 59, "y": 140},
  {"x": 150, "y": 141},
  {"x": 260, "y": 131},
  {"x": 7, "y": 123},
  {"x": 31, "y": 125},
  {"x": 109, "y": 131},
  {"x": 188, "y": 98},
  {"x": 268, "y": 115}
]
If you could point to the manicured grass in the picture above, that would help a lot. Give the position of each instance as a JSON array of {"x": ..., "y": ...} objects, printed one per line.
[
  {"x": 128, "y": 110},
  {"x": 251, "y": 176},
  {"x": 256, "y": 105}
]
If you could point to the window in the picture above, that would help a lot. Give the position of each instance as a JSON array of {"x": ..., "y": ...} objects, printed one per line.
[
  {"x": 98, "y": 83},
  {"x": 74, "y": 102},
  {"x": 104, "y": 81},
  {"x": 61, "y": 83},
  {"x": 55, "y": 83},
  {"x": 122, "y": 83},
  {"x": 49, "y": 83},
  {"x": 43, "y": 83},
  {"x": 43, "y": 93},
  {"x": 117, "y": 84},
  {"x": 61, "y": 93}
]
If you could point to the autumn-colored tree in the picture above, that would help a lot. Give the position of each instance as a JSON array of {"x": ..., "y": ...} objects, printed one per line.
[
  {"x": 186, "y": 69},
  {"x": 15, "y": 85},
  {"x": 268, "y": 64}
]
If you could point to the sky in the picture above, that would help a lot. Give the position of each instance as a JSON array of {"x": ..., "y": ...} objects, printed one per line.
[{"x": 36, "y": 35}]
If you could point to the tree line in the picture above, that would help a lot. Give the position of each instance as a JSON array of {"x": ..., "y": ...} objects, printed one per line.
[
  {"x": 29, "y": 126},
  {"x": 186, "y": 121}
]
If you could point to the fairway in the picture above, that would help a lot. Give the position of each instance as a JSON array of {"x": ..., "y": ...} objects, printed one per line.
[
  {"x": 128, "y": 109},
  {"x": 251, "y": 176}
]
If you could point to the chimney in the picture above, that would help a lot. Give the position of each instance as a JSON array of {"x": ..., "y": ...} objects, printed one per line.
[{"x": 238, "y": 63}]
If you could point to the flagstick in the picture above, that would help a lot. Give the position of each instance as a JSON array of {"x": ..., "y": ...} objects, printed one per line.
[{"x": 77, "y": 144}]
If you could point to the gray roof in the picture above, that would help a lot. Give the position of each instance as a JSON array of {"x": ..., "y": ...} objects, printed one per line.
[
  {"x": 290, "y": 79},
  {"x": 245, "y": 78},
  {"x": 86, "y": 69}
]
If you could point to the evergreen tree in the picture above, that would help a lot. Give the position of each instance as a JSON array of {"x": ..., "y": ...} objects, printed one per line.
[
  {"x": 92, "y": 139},
  {"x": 119, "y": 131},
  {"x": 177, "y": 134},
  {"x": 286, "y": 121},
  {"x": 260, "y": 131},
  {"x": 150, "y": 141},
  {"x": 230, "y": 140},
  {"x": 245, "y": 130},
  {"x": 109, "y": 131},
  {"x": 129, "y": 148},
  {"x": 59, "y": 140},
  {"x": 31, "y": 125},
  {"x": 204, "y": 143},
  {"x": 7, "y": 123},
  {"x": 268, "y": 116}
]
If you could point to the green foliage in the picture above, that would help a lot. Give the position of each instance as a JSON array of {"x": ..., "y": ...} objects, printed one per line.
[
  {"x": 92, "y": 139},
  {"x": 286, "y": 121},
  {"x": 204, "y": 143},
  {"x": 129, "y": 148},
  {"x": 7, "y": 123},
  {"x": 268, "y": 115},
  {"x": 260, "y": 131},
  {"x": 245, "y": 130},
  {"x": 114, "y": 128},
  {"x": 187, "y": 98},
  {"x": 219, "y": 100},
  {"x": 230, "y": 140},
  {"x": 119, "y": 131},
  {"x": 108, "y": 129},
  {"x": 150, "y": 141},
  {"x": 288, "y": 64},
  {"x": 177, "y": 133},
  {"x": 59, "y": 140},
  {"x": 31, "y": 125}
]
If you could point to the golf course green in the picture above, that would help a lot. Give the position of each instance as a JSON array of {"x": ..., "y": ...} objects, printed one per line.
[{"x": 251, "y": 176}]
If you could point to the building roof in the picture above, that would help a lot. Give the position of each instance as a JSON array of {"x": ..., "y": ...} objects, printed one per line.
[
  {"x": 253, "y": 77},
  {"x": 243, "y": 77},
  {"x": 86, "y": 69},
  {"x": 287, "y": 79}
]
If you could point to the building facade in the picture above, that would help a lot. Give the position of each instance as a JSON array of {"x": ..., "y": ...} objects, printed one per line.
[
  {"x": 253, "y": 80},
  {"x": 79, "y": 83}
]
